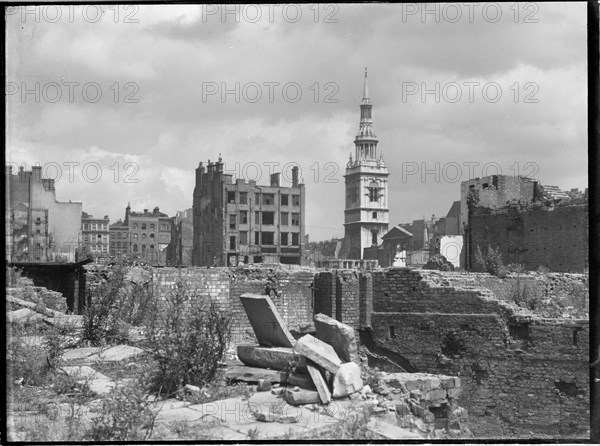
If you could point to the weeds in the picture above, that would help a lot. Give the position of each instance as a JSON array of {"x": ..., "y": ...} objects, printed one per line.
[
  {"x": 491, "y": 262},
  {"x": 188, "y": 338}
]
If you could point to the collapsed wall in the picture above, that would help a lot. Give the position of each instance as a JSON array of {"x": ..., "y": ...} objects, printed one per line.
[{"x": 522, "y": 375}]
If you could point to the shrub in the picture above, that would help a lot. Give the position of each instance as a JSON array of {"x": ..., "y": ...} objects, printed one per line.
[
  {"x": 13, "y": 276},
  {"x": 113, "y": 304},
  {"x": 439, "y": 262},
  {"x": 188, "y": 338},
  {"x": 125, "y": 415},
  {"x": 491, "y": 262}
]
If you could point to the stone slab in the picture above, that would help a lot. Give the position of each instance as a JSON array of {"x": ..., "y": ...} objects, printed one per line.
[
  {"x": 319, "y": 352},
  {"x": 278, "y": 358},
  {"x": 117, "y": 353},
  {"x": 297, "y": 396},
  {"x": 254, "y": 374},
  {"x": 270, "y": 408},
  {"x": 267, "y": 323},
  {"x": 80, "y": 353},
  {"x": 340, "y": 336},
  {"x": 319, "y": 382},
  {"x": 24, "y": 315},
  {"x": 347, "y": 380},
  {"x": 390, "y": 432},
  {"x": 96, "y": 381}
]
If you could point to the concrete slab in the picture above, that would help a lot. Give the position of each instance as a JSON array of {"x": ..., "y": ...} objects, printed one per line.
[
  {"x": 340, "y": 336},
  {"x": 270, "y": 408},
  {"x": 319, "y": 382},
  {"x": 278, "y": 358},
  {"x": 318, "y": 351},
  {"x": 117, "y": 353},
  {"x": 254, "y": 374},
  {"x": 97, "y": 382},
  {"x": 80, "y": 353},
  {"x": 267, "y": 323}
]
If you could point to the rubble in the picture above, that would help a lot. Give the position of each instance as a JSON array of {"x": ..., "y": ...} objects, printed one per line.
[
  {"x": 319, "y": 382},
  {"x": 319, "y": 352},
  {"x": 270, "y": 357},
  {"x": 347, "y": 380},
  {"x": 340, "y": 336},
  {"x": 267, "y": 323},
  {"x": 255, "y": 374},
  {"x": 297, "y": 396}
]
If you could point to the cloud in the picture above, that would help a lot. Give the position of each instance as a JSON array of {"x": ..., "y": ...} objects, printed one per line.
[{"x": 156, "y": 66}]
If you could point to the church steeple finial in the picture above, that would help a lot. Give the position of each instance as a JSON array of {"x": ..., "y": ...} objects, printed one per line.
[{"x": 365, "y": 98}]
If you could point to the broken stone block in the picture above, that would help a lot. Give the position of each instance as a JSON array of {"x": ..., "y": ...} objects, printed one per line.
[
  {"x": 390, "y": 432},
  {"x": 301, "y": 396},
  {"x": 340, "y": 336},
  {"x": 263, "y": 385},
  {"x": 24, "y": 315},
  {"x": 454, "y": 393},
  {"x": 301, "y": 380},
  {"x": 278, "y": 358},
  {"x": 319, "y": 352},
  {"x": 319, "y": 382},
  {"x": 402, "y": 408},
  {"x": 437, "y": 394},
  {"x": 253, "y": 374},
  {"x": 347, "y": 380},
  {"x": 267, "y": 323}
]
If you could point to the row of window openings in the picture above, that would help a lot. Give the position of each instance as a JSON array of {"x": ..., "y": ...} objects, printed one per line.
[
  {"x": 103, "y": 238},
  {"x": 267, "y": 199},
  {"x": 268, "y": 218},
  {"x": 372, "y": 192},
  {"x": 135, "y": 248},
  {"x": 267, "y": 238},
  {"x": 95, "y": 227},
  {"x": 163, "y": 227}
]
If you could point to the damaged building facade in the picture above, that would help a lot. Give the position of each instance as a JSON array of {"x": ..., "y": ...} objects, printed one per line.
[
  {"x": 240, "y": 222},
  {"x": 38, "y": 227}
]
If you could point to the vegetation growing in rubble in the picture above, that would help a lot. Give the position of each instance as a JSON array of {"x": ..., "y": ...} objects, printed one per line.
[
  {"x": 188, "y": 337},
  {"x": 490, "y": 262},
  {"x": 114, "y": 304},
  {"x": 439, "y": 262}
]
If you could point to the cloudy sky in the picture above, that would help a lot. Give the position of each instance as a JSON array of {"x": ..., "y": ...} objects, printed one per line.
[{"x": 140, "y": 95}]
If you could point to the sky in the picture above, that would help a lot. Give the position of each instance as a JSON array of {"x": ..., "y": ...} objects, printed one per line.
[{"x": 120, "y": 103}]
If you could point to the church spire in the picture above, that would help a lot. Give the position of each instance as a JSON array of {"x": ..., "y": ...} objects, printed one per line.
[{"x": 365, "y": 98}]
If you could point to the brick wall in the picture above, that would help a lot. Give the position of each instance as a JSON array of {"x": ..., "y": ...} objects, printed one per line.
[
  {"x": 556, "y": 238},
  {"x": 522, "y": 375}
]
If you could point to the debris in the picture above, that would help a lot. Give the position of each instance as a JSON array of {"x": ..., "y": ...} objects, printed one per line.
[
  {"x": 263, "y": 385},
  {"x": 318, "y": 351},
  {"x": 301, "y": 396},
  {"x": 347, "y": 380},
  {"x": 253, "y": 374},
  {"x": 300, "y": 380},
  {"x": 270, "y": 357},
  {"x": 319, "y": 382},
  {"x": 267, "y": 323},
  {"x": 340, "y": 336}
]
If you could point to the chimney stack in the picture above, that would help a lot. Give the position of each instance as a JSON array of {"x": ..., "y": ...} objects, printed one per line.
[
  {"x": 295, "y": 176},
  {"x": 275, "y": 179}
]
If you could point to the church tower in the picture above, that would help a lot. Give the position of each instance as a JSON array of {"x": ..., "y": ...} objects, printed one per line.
[{"x": 366, "y": 216}]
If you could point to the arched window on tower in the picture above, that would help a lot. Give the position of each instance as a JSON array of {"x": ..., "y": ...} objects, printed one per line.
[{"x": 373, "y": 191}]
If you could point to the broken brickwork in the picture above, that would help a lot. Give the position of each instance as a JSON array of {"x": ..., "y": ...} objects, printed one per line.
[
  {"x": 552, "y": 237},
  {"x": 522, "y": 375}
]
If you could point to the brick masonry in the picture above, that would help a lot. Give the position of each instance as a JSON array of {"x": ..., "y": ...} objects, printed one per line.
[{"x": 555, "y": 238}]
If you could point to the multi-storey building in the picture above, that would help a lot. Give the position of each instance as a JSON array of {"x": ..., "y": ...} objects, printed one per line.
[
  {"x": 149, "y": 234},
  {"x": 118, "y": 238},
  {"x": 95, "y": 234},
  {"x": 366, "y": 217},
  {"x": 39, "y": 228},
  {"x": 242, "y": 222}
]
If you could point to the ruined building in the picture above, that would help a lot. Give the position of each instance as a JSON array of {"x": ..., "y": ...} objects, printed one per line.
[
  {"x": 366, "y": 216},
  {"x": 95, "y": 234},
  {"x": 242, "y": 222},
  {"x": 144, "y": 234},
  {"x": 38, "y": 227},
  {"x": 179, "y": 251}
]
